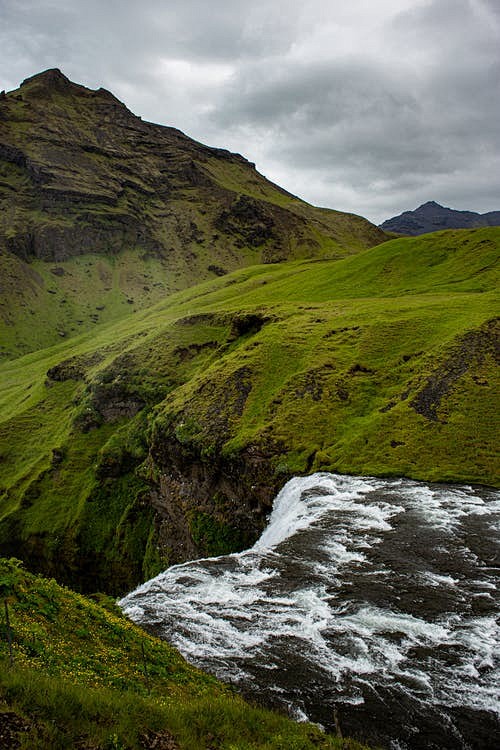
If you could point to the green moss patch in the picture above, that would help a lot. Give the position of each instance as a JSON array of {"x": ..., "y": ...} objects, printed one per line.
[{"x": 382, "y": 363}]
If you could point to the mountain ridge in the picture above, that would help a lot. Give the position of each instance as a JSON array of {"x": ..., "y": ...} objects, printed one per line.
[
  {"x": 432, "y": 217},
  {"x": 128, "y": 211}
]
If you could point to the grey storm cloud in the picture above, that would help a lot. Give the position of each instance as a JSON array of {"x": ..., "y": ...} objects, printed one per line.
[{"x": 360, "y": 106}]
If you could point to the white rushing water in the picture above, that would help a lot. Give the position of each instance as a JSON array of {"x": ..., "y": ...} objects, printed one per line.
[{"x": 376, "y": 598}]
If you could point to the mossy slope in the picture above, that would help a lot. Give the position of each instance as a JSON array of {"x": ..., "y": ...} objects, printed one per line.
[
  {"x": 166, "y": 435},
  {"x": 84, "y": 677},
  {"x": 102, "y": 213}
]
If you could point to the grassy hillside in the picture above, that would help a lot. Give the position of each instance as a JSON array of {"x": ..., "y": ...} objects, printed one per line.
[
  {"x": 102, "y": 214},
  {"x": 84, "y": 677},
  {"x": 166, "y": 435}
]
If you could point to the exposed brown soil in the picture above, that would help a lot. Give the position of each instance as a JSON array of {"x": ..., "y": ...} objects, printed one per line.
[
  {"x": 11, "y": 726},
  {"x": 158, "y": 741}
]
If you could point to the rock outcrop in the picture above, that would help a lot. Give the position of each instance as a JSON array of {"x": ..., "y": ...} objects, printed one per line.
[
  {"x": 83, "y": 177},
  {"x": 80, "y": 173}
]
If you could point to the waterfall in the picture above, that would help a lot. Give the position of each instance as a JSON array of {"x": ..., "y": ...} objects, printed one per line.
[{"x": 373, "y": 598}]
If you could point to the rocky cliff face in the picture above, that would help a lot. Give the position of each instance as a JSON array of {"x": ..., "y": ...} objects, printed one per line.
[
  {"x": 211, "y": 505},
  {"x": 81, "y": 177},
  {"x": 81, "y": 173},
  {"x": 100, "y": 177},
  {"x": 431, "y": 217}
]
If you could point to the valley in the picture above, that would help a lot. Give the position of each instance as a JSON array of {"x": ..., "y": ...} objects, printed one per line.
[
  {"x": 165, "y": 436},
  {"x": 179, "y": 338}
]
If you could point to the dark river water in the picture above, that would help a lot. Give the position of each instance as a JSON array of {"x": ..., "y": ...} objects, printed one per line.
[{"x": 367, "y": 604}]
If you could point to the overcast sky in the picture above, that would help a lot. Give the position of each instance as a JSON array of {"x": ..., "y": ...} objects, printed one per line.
[{"x": 369, "y": 106}]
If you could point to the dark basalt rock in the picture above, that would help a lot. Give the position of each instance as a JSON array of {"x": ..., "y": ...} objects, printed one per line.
[
  {"x": 58, "y": 242},
  {"x": 237, "y": 491},
  {"x": 12, "y": 728},
  {"x": 248, "y": 218},
  {"x": 74, "y": 368},
  {"x": 217, "y": 270},
  {"x": 250, "y": 324},
  {"x": 12, "y": 154}
]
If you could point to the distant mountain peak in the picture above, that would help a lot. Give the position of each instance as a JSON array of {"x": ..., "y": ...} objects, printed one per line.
[
  {"x": 430, "y": 204},
  {"x": 432, "y": 217}
]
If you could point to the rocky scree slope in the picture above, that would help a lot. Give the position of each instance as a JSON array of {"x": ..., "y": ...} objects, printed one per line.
[
  {"x": 431, "y": 217},
  {"x": 166, "y": 435},
  {"x": 102, "y": 213}
]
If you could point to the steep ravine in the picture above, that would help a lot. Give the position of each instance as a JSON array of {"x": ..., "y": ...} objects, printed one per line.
[
  {"x": 166, "y": 438},
  {"x": 159, "y": 481}
]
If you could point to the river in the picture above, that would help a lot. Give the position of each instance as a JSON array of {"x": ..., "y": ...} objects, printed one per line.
[{"x": 367, "y": 604}]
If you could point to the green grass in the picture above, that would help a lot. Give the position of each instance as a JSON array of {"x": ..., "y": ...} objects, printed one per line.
[
  {"x": 140, "y": 373},
  {"x": 380, "y": 363},
  {"x": 78, "y": 677},
  {"x": 323, "y": 387},
  {"x": 128, "y": 213}
]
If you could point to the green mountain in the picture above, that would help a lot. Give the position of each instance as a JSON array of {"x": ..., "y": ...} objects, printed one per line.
[
  {"x": 178, "y": 337},
  {"x": 166, "y": 435},
  {"x": 83, "y": 677},
  {"x": 102, "y": 214}
]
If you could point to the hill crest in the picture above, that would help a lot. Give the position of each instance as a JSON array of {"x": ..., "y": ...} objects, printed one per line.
[{"x": 97, "y": 204}]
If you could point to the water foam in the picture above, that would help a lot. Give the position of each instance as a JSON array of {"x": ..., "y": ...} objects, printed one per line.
[{"x": 362, "y": 587}]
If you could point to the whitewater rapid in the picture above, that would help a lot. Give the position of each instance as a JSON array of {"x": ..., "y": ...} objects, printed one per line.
[{"x": 375, "y": 599}]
